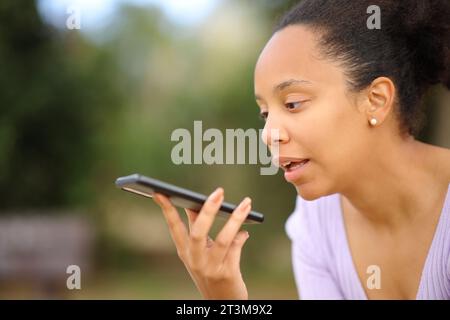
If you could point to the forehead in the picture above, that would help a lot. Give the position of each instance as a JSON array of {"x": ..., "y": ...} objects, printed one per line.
[{"x": 291, "y": 53}]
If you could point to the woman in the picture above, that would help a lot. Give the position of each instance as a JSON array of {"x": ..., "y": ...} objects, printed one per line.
[{"x": 373, "y": 201}]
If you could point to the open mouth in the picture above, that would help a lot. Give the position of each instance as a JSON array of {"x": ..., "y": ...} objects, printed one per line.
[{"x": 293, "y": 165}]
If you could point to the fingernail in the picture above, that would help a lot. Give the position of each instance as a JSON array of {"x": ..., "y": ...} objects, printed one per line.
[
  {"x": 216, "y": 196},
  {"x": 245, "y": 203}
]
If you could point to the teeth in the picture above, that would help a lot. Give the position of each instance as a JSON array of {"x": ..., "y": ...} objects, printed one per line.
[
  {"x": 286, "y": 164},
  {"x": 297, "y": 165},
  {"x": 291, "y": 164}
]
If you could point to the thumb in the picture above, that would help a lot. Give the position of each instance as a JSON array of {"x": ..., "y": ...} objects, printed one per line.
[{"x": 233, "y": 257}]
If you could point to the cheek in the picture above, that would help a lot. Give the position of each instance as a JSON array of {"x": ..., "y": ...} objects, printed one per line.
[
  {"x": 334, "y": 135},
  {"x": 346, "y": 141}
]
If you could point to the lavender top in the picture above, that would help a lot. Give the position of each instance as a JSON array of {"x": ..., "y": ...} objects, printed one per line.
[{"x": 322, "y": 262}]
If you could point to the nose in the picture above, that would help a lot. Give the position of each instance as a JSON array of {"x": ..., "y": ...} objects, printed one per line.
[{"x": 273, "y": 133}]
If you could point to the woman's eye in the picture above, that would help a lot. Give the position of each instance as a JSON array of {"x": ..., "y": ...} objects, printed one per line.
[
  {"x": 264, "y": 115},
  {"x": 293, "y": 105}
]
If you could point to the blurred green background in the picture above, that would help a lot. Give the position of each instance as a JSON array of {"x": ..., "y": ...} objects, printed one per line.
[{"x": 80, "y": 107}]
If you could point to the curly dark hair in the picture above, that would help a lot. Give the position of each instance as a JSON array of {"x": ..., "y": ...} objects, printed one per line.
[{"x": 412, "y": 48}]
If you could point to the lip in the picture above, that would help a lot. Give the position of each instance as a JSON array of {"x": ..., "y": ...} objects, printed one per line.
[
  {"x": 293, "y": 175},
  {"x": 277, "y": 161}
]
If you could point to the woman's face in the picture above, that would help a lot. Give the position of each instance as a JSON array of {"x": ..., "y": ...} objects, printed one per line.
[{"x": 317, "y": 117}]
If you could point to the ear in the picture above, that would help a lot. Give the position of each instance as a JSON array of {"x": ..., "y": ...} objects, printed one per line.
[{"x": 380, "y": 99}]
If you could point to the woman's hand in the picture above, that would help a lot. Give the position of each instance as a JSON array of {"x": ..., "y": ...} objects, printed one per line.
[{"x": 213, "y": 265}]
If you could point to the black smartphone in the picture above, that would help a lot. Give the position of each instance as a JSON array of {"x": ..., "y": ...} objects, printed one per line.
[{"x": 180, "y": 197}]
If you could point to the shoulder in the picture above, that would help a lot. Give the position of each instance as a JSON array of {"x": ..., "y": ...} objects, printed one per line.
[
  {"x": 438, "y": 161},
  {"x": 441, "y": 161},
  {"x": 446, "y": 161}
]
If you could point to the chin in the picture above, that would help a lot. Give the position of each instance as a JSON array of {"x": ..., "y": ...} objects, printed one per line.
[{"x": 311, "y": 191}]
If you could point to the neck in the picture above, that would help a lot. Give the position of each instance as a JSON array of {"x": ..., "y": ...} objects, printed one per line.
[{"x": 389, "y": 191}]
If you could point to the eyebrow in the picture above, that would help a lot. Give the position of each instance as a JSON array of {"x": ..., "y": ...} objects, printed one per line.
[{"x": 285, "y": 84}]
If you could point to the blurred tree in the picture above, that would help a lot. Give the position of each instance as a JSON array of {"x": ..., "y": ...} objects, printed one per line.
[{"x": 55, "y": 93}]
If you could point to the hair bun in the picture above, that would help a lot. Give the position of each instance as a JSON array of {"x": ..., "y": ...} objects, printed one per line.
[{"x": 425, "y": 24}]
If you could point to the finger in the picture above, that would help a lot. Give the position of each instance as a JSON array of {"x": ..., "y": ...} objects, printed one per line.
[
  {"x": 233, "y": 257},
  {"x": 192, "y": 217},
  {"x": 204, "y": 221},
  {"x": 206, "y": 215},
  {"x": 229, "y": 231},
  {"x": 177, "y": 228}
]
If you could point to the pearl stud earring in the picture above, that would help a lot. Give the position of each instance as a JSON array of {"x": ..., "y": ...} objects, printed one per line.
[{"x": 373, "y": 121}]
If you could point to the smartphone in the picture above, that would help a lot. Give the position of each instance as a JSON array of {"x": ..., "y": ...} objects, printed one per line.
[{"x": 180, "y": 197}]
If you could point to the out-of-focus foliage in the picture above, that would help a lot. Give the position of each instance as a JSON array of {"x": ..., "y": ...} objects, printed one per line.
[{"x": 56, "y": 93}]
